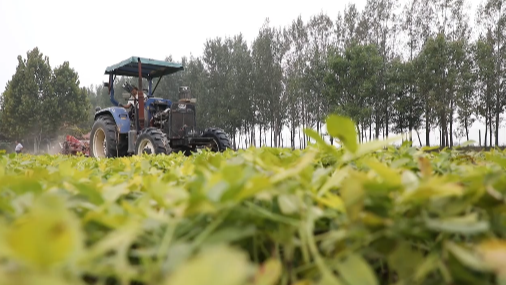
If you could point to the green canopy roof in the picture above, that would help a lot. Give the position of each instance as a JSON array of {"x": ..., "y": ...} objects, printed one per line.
[{"x": 150, "y": 68}]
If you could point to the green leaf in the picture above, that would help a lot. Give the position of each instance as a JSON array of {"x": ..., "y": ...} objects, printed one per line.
[
  {"x": 306, "y": 160},
  {"x": 356, "y": 271},
  {"x": 45, "y": 236},
  {"x": 289, "y": 204},
  {"x": 112, "y": 193},
  {"x": 462, "y": 225},
  {"x": 320, "y": 142},
  {"x": 353, "y": 194},
  {"x": 314, "y": 135},
  {"x": 230, "y": 234},
  {"x": 369, "y": 147},
  {"x": 219, "y": 264},
  {"x": 467, "y": 257},
  {"x": 428, "y": 265},
  {"x": 333, "y": 181},
  {"x": 388, "y": 174},
  {"x": 344, "y": 129},
  {"x": 269, "y": 273},
  {"x": 405, "y": 267},
  {"x": 90, "y": 193}
]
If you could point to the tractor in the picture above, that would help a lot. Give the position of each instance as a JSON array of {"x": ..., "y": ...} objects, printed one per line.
[{"x": 153, "y": 125}]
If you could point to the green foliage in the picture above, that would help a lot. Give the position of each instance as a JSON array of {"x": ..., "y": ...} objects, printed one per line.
[
  {"x": 39, "y": 100},
  {"x": 377, "y": 215},
  {"x": 352, "y": 80},
  {"x": 391, "y": 66},
  {"x": 343, "y": 129}
]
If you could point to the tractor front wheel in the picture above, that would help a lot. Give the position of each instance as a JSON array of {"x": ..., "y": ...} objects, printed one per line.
[
  {"x": 151, "y": 141},
  {"x": 220, "y": 139},
  {"x": 104, "y": 139}
]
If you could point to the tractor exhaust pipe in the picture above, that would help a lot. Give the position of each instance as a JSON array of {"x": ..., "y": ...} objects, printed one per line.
[{"x": 184, "y": 93}]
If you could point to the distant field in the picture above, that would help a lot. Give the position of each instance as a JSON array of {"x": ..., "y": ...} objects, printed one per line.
[{"x": 256, "y": 216}]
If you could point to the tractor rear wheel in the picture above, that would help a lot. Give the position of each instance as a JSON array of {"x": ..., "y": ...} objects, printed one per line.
[
  {"x": 220, "y": 138},
  {"x": 151, "y": 141},
  {"x": 104, "y": 139}
]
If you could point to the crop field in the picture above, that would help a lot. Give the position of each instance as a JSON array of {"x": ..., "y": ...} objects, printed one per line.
[{"x": 361, "y": 214}]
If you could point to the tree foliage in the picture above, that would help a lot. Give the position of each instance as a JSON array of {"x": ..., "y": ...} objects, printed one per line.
[
  {"x": 395, "y": 66},
  {"x": 39, "y": 101}
]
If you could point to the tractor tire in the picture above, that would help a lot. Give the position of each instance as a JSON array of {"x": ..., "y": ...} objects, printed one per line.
[
  {"x": 104, "y": 139},
  {"x": 153, "y": 139},
  {"x": 222, "y": 142}
]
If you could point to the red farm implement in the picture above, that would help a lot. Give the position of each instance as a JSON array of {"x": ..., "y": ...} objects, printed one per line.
[{"x": 73, "y": 146}]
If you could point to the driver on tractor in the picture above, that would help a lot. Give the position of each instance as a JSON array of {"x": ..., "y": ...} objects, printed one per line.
[{"x": 131, "y": 101}]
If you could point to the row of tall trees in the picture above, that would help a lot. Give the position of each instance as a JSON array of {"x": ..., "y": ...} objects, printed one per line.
[
  {"x": 396, "y": 66},
  {"x": 39, "y": 102}
]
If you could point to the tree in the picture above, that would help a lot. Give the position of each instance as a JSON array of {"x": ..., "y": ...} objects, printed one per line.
[
  {"x": 24, "y": 115},
  {"x": 486, "y": 84},
  {"x": 352, "y": 80},
  {"x": 268, "y": 51},
  {"x": 492, "y": 20},
  {"x": 294, "y": 76},
  {"x": 466, "y": 101},
  {"x": 39, "y": 101},
  {"x": 70, "y": 102},
  {"x": 407, "y": 105},
  {"x": 319, "y": 30}
]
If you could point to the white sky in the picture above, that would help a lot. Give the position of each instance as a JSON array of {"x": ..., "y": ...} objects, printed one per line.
[{"x": 94, "y": 34}]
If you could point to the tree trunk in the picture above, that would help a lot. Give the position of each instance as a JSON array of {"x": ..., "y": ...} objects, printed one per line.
[
  {"x": 300, "y": 140},
  {"x": 273, "y": 135},
  {"x": 387, "y": 122},
  {"x": 359, "y": 132},
  {"x": 376, "y": 126},
  {"x": 427, "y": 132},
  {"x": 370, "y": 131},
  {"x": 496, "y": 128},
  {"x": 451, "y": 128},
  {"x": 419, "y": 140},
  {"x": 364, "y": 131},
  {"x": 253, "y": 136},
  {"x": 491, "y": 135},
  {"x": 486, "y": 131},
  {"x": 467, "y": 129},
  {"x": 292, "y": 135},
  {"x": 260, "y": 131},
  {"x": 234, "y": 142},
  {"x": 445, "y": 130}
]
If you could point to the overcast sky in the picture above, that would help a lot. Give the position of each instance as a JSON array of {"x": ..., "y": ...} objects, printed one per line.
[{"x": 88, "y": 34}]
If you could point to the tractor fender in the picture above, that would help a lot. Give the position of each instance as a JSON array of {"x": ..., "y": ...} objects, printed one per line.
[{"x": 120, "y": 116}]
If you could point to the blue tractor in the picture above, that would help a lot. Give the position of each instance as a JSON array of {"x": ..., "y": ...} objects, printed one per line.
[{"x": 153, "y": 125}]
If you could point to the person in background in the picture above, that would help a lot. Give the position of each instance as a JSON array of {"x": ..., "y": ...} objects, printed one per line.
[{"x": 19, "y": 147}]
